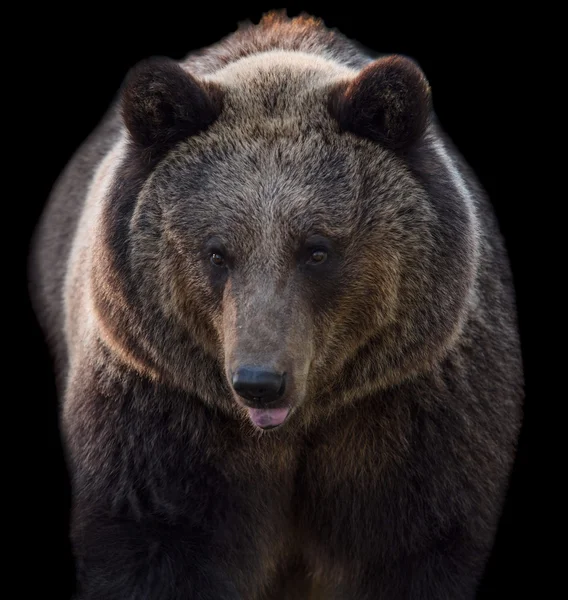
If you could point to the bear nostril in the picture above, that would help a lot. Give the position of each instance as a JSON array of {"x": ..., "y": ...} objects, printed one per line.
[{"x": 259, "y": 385}]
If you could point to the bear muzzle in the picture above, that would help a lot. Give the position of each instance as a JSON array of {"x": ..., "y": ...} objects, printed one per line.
[
  {"x": 257, "y": 386},
  {"x": 262, "y": 391}
]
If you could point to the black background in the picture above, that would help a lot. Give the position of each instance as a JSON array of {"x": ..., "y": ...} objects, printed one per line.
[{"x": 79, "y": 58}]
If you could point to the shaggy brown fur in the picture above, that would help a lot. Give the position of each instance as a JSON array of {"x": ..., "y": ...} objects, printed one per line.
[{"x": 282, "y": 143}]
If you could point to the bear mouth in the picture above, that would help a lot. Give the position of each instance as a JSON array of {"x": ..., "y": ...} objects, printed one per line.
[{"x": 268, "y": 418}]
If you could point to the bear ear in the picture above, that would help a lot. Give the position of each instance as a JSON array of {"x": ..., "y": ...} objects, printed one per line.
[
  {"x": 163, "y": 104},
  {"x": 388, "y": 102}
]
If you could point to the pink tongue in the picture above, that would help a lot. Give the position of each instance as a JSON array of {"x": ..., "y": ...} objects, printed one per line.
[{"x": 268, "y": 417}]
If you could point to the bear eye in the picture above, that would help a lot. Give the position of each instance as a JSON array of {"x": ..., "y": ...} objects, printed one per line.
[
  {"x": 317, "y": 257},
  {"x": 217, "y": 259}
]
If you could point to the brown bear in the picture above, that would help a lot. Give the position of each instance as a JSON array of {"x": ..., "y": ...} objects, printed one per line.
[{"x": 284, "y": 330}]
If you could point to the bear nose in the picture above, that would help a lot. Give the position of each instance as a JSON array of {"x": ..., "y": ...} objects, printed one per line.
[{"x": 258, "y": 385}]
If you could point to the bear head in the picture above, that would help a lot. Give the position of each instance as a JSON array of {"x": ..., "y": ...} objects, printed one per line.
[{"x": 283, "y": 235}]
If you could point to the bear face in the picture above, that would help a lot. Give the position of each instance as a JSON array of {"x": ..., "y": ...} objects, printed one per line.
[{"x": 279, "y": 227}]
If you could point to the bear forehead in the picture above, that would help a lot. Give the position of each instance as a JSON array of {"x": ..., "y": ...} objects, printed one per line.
[{"x": 278, "y": 186}]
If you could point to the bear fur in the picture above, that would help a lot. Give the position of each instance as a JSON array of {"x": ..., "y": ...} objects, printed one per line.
[{"x": 281, "y": 143}]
